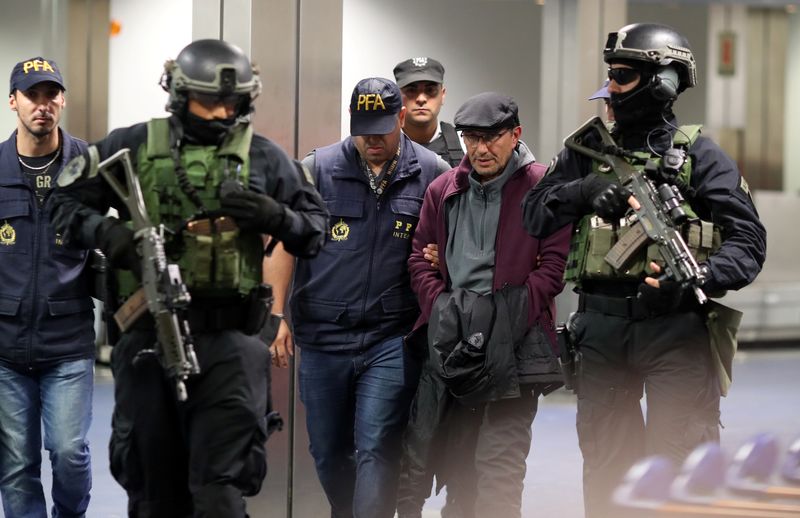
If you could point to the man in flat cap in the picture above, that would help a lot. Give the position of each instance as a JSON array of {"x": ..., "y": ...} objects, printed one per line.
[
  {"x": 352, "y": 304},
  {"x": 47, "y": 321},
  {"x": 489, "y": 310},
  {"x": 421, "y": 80}
]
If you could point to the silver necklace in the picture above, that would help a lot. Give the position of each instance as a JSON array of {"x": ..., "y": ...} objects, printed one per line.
[{"x": 45, "y": 167}]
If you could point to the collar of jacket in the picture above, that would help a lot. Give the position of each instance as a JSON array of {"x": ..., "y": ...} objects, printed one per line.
[
  {"x": 347, "y": 167},
  {"x": 11, "y": 172}
]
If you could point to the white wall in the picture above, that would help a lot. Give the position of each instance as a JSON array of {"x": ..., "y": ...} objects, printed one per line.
[
  {"x": 791, "y": 132},
  {"x": 483, "y": 45},
  {"x": 152, "y": 32}
]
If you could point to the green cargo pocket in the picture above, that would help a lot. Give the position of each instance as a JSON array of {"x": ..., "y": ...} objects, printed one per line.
[
  {"x": 197, "y": 270},
  {"x": 227, "y": 269}
]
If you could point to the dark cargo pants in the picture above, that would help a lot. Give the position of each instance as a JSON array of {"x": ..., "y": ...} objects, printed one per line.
[
  {"x": 490, "y": 483},
  {"x": 668, "y": 358},
  {"x": 199, "y": 457}
]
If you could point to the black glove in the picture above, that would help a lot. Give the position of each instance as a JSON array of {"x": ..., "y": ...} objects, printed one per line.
[
  {"x": 116, "y": 242},
  {"x": 254, "y": 211},
  {"x": 664, "y": 299},
  {"x": 608, "y": 199}
]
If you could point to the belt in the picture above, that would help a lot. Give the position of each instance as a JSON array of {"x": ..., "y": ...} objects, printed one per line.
[
  {"x": 217, "y": 319},
  {"x": 205, "y": 320},
  {"x": 627, "y": 307}
]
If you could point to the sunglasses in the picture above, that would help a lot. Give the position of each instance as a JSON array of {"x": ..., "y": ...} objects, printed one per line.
[{"x": 623, "y": 76}]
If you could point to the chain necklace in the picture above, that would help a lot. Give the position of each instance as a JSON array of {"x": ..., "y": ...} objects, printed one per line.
[
  {"x": 44, "y": 167},
  {"x": 378, "y": 189}
]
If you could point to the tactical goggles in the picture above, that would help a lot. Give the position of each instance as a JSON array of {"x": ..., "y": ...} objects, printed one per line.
[
  {"x": 623, "y": 76},
  {"x": 211, "y": 100}
]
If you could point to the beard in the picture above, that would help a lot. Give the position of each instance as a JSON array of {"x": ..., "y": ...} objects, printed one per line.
[{"x": 39, "y": 131}]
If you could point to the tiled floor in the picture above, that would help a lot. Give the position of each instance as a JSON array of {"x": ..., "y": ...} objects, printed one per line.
[{"x": 765, "y": 397}]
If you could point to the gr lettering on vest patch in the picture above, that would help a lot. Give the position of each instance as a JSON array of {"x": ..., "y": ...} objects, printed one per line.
[
  {"x": 370, "y": 102},
  {"x": 36, "y": 65}
]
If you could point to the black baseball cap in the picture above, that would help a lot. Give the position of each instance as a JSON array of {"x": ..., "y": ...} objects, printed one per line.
[
  {"x": 33, "y": 71},
  {"x": 487, "y": 111},
  {"x": 374, "y": 106},
  {"x": 418, "y": 69}
]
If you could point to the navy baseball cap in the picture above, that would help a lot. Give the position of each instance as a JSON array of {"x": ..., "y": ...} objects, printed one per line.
[
  {"x": 487, "y": 111},
  {"x": 374, "y": 106},
  {"x": 418, "y": 69},
  {"x": 602, "y": 93},
  {"x": 33, "y": 71}
]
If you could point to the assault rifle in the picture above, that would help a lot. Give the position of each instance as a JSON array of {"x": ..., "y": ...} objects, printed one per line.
[
  {"x": 163, "y": 290},
  {"x": 657, "y": 217}
]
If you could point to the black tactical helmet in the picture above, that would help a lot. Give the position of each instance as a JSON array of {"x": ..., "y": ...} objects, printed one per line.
[
  {"x": 213, "y": 67},
  {"x": 655, "y": 44}
]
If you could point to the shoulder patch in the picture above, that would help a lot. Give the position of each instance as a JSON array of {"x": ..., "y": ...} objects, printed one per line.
[
  {"x": 305, "y": 172},
  {"x": 552, "y": 166},
  {"x": 744, "y": 186},
  {"x": 72, "y": 171}
]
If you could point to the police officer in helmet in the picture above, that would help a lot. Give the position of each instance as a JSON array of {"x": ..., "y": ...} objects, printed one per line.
[
  {"x": 220, "y": 191},
  {"x": 637, "y": 331}
]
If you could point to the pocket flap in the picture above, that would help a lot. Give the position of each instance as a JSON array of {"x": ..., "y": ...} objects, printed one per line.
[
  {"x": 14, "y": 208},
  {"x": 69, "y": 306},
  {"x": 345, "y": 208},
  {"x": 406, "y": 205},
  {"x": 325, "y": 311},
  {"x": 9, "y": 305}
]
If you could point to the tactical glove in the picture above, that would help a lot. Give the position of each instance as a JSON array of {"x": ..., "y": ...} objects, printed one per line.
[
  {"x": 664, "y": 299},
  {"x": 608, "y": 199},
  {"x": 254, "y": 211},
  {"x": 116, "y": 242}
]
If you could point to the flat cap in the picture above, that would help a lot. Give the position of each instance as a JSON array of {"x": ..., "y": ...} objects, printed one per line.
[{"x": 488, "y": 110}]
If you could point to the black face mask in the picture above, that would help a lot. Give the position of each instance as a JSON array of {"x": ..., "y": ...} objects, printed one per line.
[
  {"x": 638, "y": 109},
  {"x": 207, "y": 132}
]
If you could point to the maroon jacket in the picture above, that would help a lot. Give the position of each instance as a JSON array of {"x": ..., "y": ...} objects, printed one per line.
[{"x": 519, "y": 257}]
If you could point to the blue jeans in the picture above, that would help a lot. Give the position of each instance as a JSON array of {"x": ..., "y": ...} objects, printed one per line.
[
  {"x": 57, "y": 399},
  {"x": 357, "y": 407}
]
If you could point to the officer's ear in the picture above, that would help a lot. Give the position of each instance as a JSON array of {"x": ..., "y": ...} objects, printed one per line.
[
  {"x": 12, "y": 101},
  {"x": 444, "y": 92}
]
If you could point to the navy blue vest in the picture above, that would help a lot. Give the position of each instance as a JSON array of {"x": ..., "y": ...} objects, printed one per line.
[
  {"x": 45, "y": 309},
  {"x": 357, "y": 292}
]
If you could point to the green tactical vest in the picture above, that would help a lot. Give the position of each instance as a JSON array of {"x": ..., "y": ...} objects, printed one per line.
[
  {"x": 212, "y": 263},
  {"x": 593, "y": 237}
]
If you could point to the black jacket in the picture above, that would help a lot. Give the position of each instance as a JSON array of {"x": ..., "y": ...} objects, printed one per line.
[
  {"x": 721, "y": 195},
  {"x": 483, "y": 349}
]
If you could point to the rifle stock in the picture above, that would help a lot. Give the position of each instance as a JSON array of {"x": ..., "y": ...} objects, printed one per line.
[
  {"x": 652, "y": 214},
  {"x": 166, "y": 295}
]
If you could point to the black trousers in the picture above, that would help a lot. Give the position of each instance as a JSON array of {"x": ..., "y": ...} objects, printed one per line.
[
  {"x": 194, "y": 458},
  {"x": 668, "y": 358}
]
